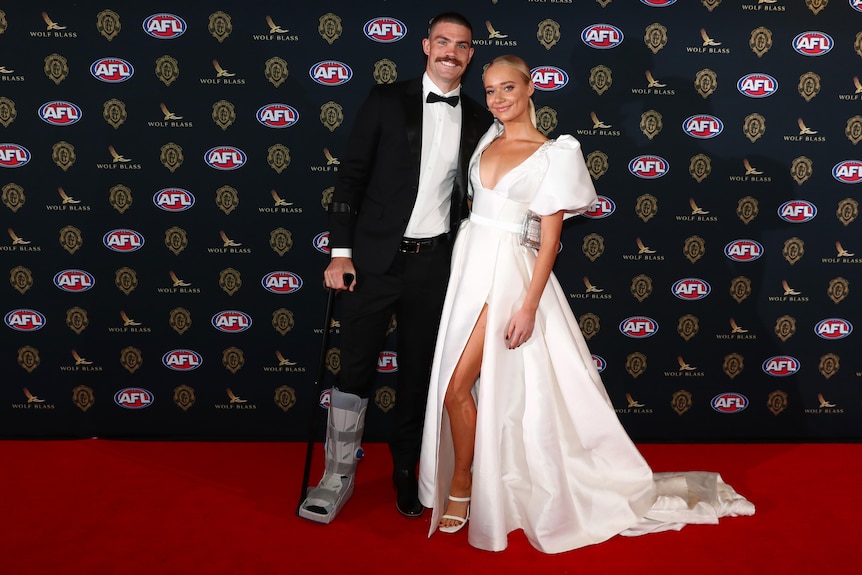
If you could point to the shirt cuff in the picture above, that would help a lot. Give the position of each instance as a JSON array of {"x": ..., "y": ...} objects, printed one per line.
[{"x": 341, "y": 252}]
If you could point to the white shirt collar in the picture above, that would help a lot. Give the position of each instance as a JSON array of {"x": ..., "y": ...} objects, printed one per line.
[{"x": 429, "y": 86}]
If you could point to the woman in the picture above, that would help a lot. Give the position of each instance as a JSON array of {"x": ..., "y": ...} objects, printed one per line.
[{"x": 533, "y": 444}]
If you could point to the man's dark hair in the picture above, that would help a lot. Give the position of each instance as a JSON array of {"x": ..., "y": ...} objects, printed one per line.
[{"x": 450, "y": 18}]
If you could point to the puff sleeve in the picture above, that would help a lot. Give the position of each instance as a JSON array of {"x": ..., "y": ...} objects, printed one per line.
[{"x": 566, "y": 184}]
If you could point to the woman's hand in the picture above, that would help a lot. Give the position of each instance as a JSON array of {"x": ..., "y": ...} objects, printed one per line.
[{"x": 520, "y": 327}]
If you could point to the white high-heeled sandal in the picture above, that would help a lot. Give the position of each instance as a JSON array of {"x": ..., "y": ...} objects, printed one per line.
[{"x": 462, "y": 521}]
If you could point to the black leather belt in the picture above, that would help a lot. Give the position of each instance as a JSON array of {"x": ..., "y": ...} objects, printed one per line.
[{"x": 417, "y": 246}]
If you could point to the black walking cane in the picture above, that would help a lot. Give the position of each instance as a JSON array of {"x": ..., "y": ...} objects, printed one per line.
[{"x": 312, "y": 426}]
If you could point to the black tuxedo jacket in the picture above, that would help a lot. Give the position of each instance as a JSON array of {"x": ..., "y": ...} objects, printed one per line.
[{"x": 379, "y": 177}]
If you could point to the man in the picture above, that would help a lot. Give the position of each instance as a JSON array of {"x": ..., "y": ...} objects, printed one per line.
[{"x": 398, "y": 200}]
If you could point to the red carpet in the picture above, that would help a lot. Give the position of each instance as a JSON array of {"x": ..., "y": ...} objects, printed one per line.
[{"x": 102, "y": 507}]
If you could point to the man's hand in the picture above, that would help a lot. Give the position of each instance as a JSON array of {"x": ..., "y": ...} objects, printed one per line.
[{"x": 334, "y": 273}]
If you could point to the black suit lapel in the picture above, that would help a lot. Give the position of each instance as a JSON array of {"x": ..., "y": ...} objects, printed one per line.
[
  {"x": 471, "y": 127},
  {"x": 412, "y": 102},
  {"x": 458, "y": 209}
]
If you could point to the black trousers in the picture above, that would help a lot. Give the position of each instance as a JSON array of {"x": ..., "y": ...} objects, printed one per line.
[{"x": 413, "y": 289}]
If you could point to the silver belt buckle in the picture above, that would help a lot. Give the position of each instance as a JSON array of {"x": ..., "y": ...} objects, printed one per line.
[{"x": 406, "y": 248}]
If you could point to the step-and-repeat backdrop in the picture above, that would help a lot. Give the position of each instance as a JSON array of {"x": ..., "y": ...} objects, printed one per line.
[{"x": 165, "y": 177}]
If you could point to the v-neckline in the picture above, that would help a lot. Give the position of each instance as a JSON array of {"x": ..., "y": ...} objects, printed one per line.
[{"x": 506, "y": 175}]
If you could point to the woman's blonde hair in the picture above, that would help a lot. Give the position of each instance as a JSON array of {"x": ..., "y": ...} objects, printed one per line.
[{"x": 521, "y": 66}]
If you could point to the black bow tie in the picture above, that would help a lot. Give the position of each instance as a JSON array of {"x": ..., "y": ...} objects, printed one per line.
[{"x": 434, "y": 97}]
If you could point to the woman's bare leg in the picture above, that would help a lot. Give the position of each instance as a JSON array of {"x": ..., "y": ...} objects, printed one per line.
[{"x": 461, "y": 409}]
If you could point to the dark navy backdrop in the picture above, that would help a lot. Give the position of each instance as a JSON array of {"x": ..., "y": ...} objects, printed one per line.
[{"x": 716, "y": 281}]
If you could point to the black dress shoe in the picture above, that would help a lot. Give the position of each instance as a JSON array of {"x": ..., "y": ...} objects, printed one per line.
[{"x": 407, "y": 489}]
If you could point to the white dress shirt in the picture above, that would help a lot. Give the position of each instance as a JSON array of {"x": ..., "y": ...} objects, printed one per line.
[{"x": 441, "y": 139}]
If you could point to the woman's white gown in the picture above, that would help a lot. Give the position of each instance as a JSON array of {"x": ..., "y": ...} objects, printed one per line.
[{"x": 550, "y": 456}]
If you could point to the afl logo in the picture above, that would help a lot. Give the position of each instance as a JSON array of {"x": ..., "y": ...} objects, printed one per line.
[
  {"x": 231, "y": 321},
  {"x": 111, "y": 70},
  {"x": 757, "y": 85},
  {"x": 691, "y": 289},
  {"x": 25, "y": 320},
  {"x": 702, "y": 126},
  {"x": 649, "y": 167},
  {"x": 387, "y": 362},
  {"x": 638, "y": 327},
  {"x": 123, "y": 240},
  {"x": 846, "y": 172},
  {"x": 729, "y": 402},
  {"x": 281, "y": 282},
  {"x": 781, "y": 365},
  {"x": 743, "y": 250},
  {"x": 321, "y": 242},
  {"x": 133, "y": 398},
  {"x": 602, "y": 36},
  {"x": 603, "y": 207},
  {"x": 812, "y": 43},
  {"x": 856, "y": 5},
  {"x": 325, "y": 398},
  {"x": 74, "y": 281},
  {"x": 225, "y": 158},
  {"x": 174, "y": 199},
  {"x": 833, "y": 328},
  {"x": 164, "y": 26},
  {"x": 60, "y": 113},
  {"x": 548, "y": 78},
  {"x": 385, "y": 30},
  {"x": 277, "y": 116},
  {"x": 797, "y": 211},
  {"x": 657, "y": 3},
  {"x": 182, "y": 360},
  {"x": 330, "y": 73},
  {"x": 599, "y": 362},
  {"x": 13, "y": 155}
]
